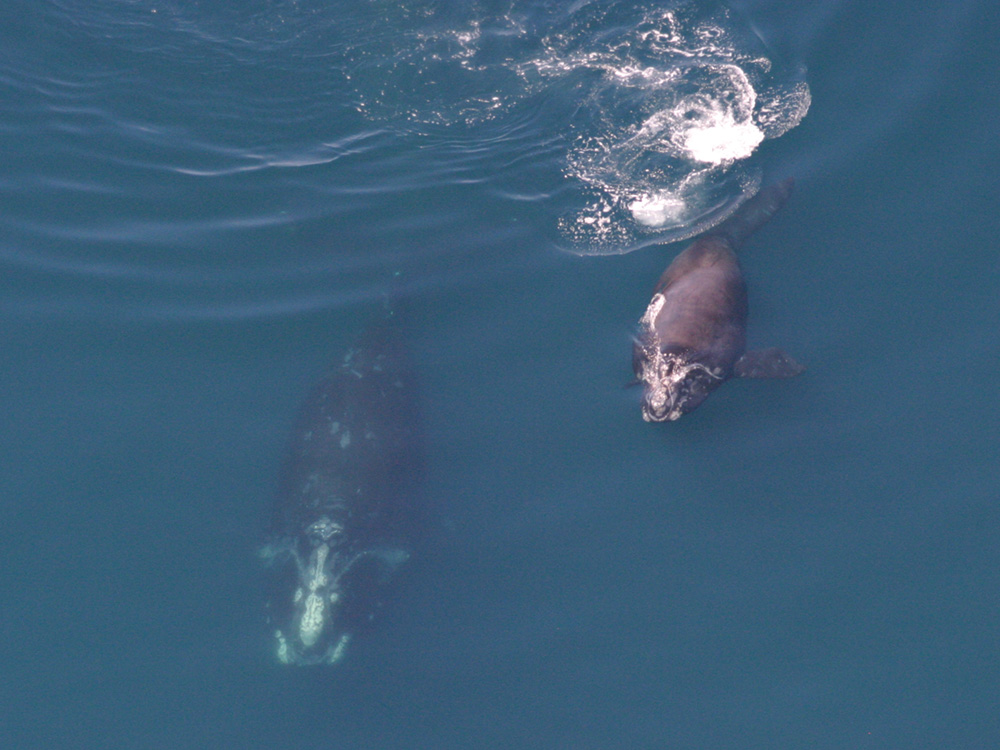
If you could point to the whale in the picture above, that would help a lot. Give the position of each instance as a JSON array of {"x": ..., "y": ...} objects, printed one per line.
[
  {"x": 692, "y": 337},
  {"x": 341, "y": 523}
]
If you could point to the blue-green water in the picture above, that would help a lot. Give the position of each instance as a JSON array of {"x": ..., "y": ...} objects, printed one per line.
[{"x": 203, "y": 203}]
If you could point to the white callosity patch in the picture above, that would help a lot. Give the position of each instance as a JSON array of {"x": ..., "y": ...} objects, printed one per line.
[
  {"x": 324, "y": 529},
  {"x": 313, "y": 618},
  {"x": 314, "y": 608},
  {"x": 316, "y": 598},
  {"x": 352, "y": 364},
  {"x": 648, "y": 319},
  {"x": 664, "y": 376}
]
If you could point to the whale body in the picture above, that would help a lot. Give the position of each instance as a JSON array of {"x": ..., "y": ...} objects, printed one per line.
[
  {"x": 340, "y": 526},
  {"x": 692, "y": 337}
]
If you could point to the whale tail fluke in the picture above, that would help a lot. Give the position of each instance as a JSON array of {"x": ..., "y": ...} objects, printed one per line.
[{"x": 753, "y": 214}]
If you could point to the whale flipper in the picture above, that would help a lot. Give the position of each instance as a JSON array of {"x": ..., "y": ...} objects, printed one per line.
[{"x": 767, "y": 363}]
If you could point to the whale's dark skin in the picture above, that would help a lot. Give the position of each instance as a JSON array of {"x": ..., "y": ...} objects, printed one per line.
[
  {"x": 345, "y": 499},
  {"x": 693, "y": 335}
]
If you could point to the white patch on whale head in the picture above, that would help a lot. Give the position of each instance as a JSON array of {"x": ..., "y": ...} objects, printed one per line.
[
  {"x": 317, "y": 631},
  {"x": 324, "y": 528},
  {"x": 314, "y": 615},
  {"x": 655, "y": 305},
  {"x": 313, "y": 619},
  {"x": 664, "y": 374}
]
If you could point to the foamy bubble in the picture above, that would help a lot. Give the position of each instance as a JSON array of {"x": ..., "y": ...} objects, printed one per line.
[
  {"x": 722, "y": 142},
  {"x": 658, "y": 210}
]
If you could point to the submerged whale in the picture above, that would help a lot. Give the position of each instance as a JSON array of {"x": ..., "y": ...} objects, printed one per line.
[
  {"x": 346, "y": 496},
  {"x": 692, "y": 337}
]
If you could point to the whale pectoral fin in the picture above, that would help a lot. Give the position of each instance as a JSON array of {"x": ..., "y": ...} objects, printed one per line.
[
  {"x": 382, "y": 562},
  {"x": 767, "y": 363},
  {"x": 391, "y": 557},
  {"x": 275, "y": 553}
]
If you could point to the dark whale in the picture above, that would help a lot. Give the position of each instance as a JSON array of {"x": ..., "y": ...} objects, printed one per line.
[
  {"x": 693, "y": 335},
  {"x": 346, "y": 495}
]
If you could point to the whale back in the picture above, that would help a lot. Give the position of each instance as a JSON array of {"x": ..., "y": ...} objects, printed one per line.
[{"x": 693, "y": 333}]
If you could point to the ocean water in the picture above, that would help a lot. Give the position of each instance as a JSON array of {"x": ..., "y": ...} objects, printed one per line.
[{"x": 204, "y": 204}]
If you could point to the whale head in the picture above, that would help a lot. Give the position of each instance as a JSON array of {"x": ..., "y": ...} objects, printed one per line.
[
  {"x": 317, "y": 611},
  {"x": 674, "y": 381},
  {"x": 307, "y": 606}
]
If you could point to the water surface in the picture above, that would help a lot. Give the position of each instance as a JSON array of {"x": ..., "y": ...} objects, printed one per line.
[{"x": 203, "y": 205}]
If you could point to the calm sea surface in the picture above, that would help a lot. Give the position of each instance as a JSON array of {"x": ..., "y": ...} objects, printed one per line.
[{"x": 203, "y": 204}]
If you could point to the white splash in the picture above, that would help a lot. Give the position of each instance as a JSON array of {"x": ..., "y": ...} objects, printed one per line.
[
  {"x": 658, "y": 209},
  {"x": 722, "y": 142}
]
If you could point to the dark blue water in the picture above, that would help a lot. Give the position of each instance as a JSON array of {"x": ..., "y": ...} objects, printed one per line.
[{"x": 203, "y": 203}]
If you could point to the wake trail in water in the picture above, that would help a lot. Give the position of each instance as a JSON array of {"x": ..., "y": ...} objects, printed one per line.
[{"x": 660, "y": 108}]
